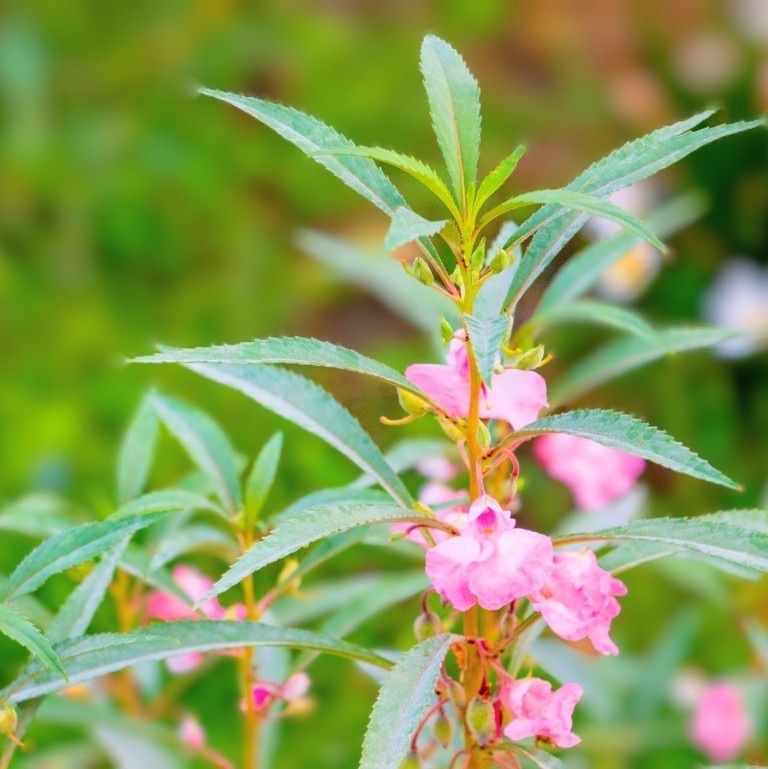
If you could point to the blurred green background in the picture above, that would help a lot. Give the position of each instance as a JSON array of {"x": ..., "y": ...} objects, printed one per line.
[{"x": 133, "y": 213}]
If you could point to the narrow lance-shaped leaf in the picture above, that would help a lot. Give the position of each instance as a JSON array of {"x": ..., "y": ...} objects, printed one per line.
[
  {"x": 594, "y": 313},
  {"x": 626, "y": 433},
  {"x": 623, "y": 355},
  {"x": 136, "y": 452},
  {"x": 261, "y": 477},
  {"x": 307, "y": 527},
  {"x": 491, "y": 297},
  {"x": 405, "y": 696},
  {"x": 98, "y": 655},
  {"x": 35, "y": 515},
  {"x": 207, "y": 445},
  {"x": 189, "y": 538},
  {"x": 312, "y": 408},
  {"x": 18, "y": 628},
  {"x": 454, "y": 104},
  {"x": 498, "y": 176},
  {"x": 168, "y": 500},
  {"x": 486, "y": 335},
  {"x": 70, "y": 548},
  {"x": 407, "y": 225}
]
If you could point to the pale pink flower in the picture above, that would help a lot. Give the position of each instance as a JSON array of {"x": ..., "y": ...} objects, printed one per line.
[
  {"x": 539, "y": 712},
  {"x": 295, "y": 686},
  {"x": 721, "y": 726},
  {"x": 514, "y": 396},
  {"x": 595, "y": 474},
  {"x": 191, "y": 732},
  {"x": 184, "y": 663},
  {"x": 490, "y": 562},
  {"x": 264, "y": 693},
  {"x": 437, "y": 468},
  {"x": 578, "y": 600}
]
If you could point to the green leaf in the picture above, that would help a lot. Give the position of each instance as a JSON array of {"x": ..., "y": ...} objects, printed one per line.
[
  {"x": 75, "y": 615},
  {"x": 720, "y": 537},
  {"x": 207, "y": 445},
  {"x": 539, "y": 758},
  {"x": 261, "y": 477},
  {"x": 406, "y": 694},
  {"x": 579, "y": 201},
  {"x": 582, "y": 271},
  {"x": 626, "y": 433},
  {"x": 18, "y": 628},
  {"x": 189, "y": 538},
  {"x": 296, "y": 350},
  {"x": 486, "y": 335},
  {"x": 491, "y": 297},
  {"x": 415, "y": 168},
  {"x": 596, "y": 313},
  {"x": 310, "y": 526},
  {"x": 635, "y": 161},
  {"x": 35, "y": 515},
  {"x": 380, "y": 275},
  {"x": 168, "y": 500},
  {"x": 454, "y": 104},
  {"x": 625, "y": 354},
  {"x": 312, "y": 408},
  {"x": 407, "y": 225},
  {"x": 71, "y": 548},
  {"x": 498, "y": 176},
  {"x": 98, "y": 655},
  {"x": 136, "y": 452}
]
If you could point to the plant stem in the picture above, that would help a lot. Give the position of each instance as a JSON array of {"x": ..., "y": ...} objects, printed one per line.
[{"x": 251, "y": 717}]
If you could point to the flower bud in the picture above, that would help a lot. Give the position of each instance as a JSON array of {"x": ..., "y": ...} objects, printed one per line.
[
  {"x": 483, "y": 435},
  {"x": 456, "y": 693},
  {"x": 411, "y": 404},
  {"x": 453, "y": 432},
  {"x": 443, "y": 729},
  {"x": 533, "y": 358},
  {"x": 8, "y": 721},
  {"x": 411, "y": 761},
  {"x": 427, "y": 625},
  {"x": 477, "y": 260},
  {"x": 446, "y": 331},
  {"x": 481, "y": 720},
  {"x": 501, "y": 260},
  {"x": 422, "y": 272}
]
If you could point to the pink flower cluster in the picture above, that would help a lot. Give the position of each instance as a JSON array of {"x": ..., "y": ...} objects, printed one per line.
[
  {"x": 169, "y": 608},
  {"x": 294, "y": 688},
  {"x": 721, "y": 725}
]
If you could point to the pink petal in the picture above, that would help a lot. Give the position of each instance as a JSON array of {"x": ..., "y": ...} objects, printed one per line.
[
  {"x": 444, "y": 385},
  {"x": 516, "y": 397}
]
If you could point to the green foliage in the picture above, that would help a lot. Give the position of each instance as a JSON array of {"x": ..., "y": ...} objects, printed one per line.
[
  {"x": 136, "y": 451},
  {"x": 404, "y": 697},
  {"x": 596, "y": 313},
  {"x": 496, "y": 178},
  {"x": 261, "y": 478},
  {"x": 20, "y": 629},
  {"x": 486, "y": 336},
  {"x": 407, "y": 226}
]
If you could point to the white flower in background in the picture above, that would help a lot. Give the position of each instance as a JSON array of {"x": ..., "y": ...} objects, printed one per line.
[
  {"x": 751, "y": 17},
  {"x": 738, "y": 300},
  {"x": 627, "y": 278},
  {"x": 708, "y": 62}
]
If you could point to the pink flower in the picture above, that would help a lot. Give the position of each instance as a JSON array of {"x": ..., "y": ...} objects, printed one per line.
[
  {"x": 295, "y": 686},
  {"x": 721, "y": 726},
  {"x": 264, "y": 693},
  {"x": 437, "y": 468},
  {"x": 577, "y": 601},
  {"x": 191, "y": 732},
  {"x": 491, "y": 562},
  {"x": 539, "y": 712},
  {"x": 514, "y": 396},
  {"x": 595, "y": 474}
]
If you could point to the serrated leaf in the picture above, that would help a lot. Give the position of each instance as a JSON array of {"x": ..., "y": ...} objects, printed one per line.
[
  {"x": 310, "y": 526},
  {"x": 539, "y": 758},
  {"x": 137, "y": 448},
  {"x": 454, "y": 104},
  {"x": 626, "y": 433},
  {"x": 405, "y": 695},
  {"x": 486, "y": 335},
  {"x": 98, "y": 655},
  {"x": 190, "y": 538},
  {"x": 635, "y": 161},
  {"x": 623, "y": 355},
  {"x": 713, "y": 536},
  {"x": 18, "y": 628},
  {"x": 312, "y": 408},
  {"x": 35, "y": 515},
  {"x": 583, "y": 270},
  {"x": 491, "y": 297},
  {"x": 207, "y": 445},
  {"x": 262, "y": 476},
  {"x": 407, "y": 225},
  {"x": 595, "y": 313},
  {"x": 342, "y": 495},
  {"x": 296, "y": 350},
  {"x": 383, "y": 277},
  {"x": 70, "y": 548},
  {"x": 498, "y": 176},
  {"x": 579, "y": 201},
  {"x": 168, "y": 500}
]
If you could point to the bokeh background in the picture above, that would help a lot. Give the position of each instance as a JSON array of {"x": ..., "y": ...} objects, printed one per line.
[{"x": 132, "y": 213}]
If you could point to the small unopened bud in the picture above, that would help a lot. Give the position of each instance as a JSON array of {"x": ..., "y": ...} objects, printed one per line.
[
  {"x": 285, "y": 577},
  {"x": 427, "y": 625},
  {"x": 533, "y": 358},
  {"x": 446, "y": 331},
  {"x": 456, "y": 693},
  {"x": 483, "y": 435},
  {"x": 412, "y": 404},
  {"x": 454, "y": 432},
  {"x": 421, "y": 271},
  {"x": 481, "y": 720},
  {"x": 501, "y": 260},
  {"x": 411, "y": 761},
  {"x": 9, "y": 720},
  {"x": 477, "y": 260},
  {"x": 457, "y": 277},
  {"x": 443, "y": 729}
]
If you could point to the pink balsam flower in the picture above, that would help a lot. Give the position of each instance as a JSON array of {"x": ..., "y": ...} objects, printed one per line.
[
  {"x": 514, "y": 396},
  {"x": 539, "y": 712},
  {"x": 490, "y": 562},
  {"x": 721, "y": 726},
  {"x": 578, "y": 600},
  {"x": 264, "y": 693},
  {"x": 595, "y": 474}
]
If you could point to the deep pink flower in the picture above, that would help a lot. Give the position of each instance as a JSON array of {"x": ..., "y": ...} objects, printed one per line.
[
  {"x": 595, "y": 474},
  {"x": 578, "y": 600},
  {"x": 490, "y": 562},
  {"x": 539, "y": 712},
  {"x": 721, "y": 726},
  {"x": 264, "y": 693},
  {"x": 514, "y": 396}
]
